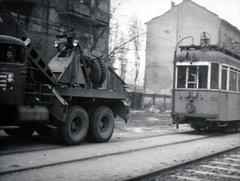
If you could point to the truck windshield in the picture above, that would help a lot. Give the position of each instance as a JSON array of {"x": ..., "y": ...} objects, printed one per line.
[
  {"x": 192, "y": 77},
  {"x": 13, "y": 54}
]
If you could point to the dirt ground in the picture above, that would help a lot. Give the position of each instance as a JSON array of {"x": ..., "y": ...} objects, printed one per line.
[{"x": 143, "y": 123}]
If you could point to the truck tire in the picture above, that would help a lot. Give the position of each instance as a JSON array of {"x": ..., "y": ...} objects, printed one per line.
[
  {"x": 23, "y": 132},
  {"x": 103, "y": 70},
  {"x": 74, "y": 130},
  {"x": 101, "y": 125},
  {"x": 95, "y": 69}
]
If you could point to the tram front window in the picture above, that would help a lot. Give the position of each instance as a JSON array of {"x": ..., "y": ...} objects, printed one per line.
[
  {"x": 196, "y": 77},
  {"x": 181, "y": 77}
]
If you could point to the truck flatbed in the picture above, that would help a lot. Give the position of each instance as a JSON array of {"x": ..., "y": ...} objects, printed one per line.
[{"x": 91, "y": 93}]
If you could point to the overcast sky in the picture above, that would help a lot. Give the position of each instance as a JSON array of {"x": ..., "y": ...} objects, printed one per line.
[{"x": 145, "y": 10}]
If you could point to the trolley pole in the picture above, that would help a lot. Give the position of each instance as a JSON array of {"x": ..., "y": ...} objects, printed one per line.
[{"x": 174, "y": 71}]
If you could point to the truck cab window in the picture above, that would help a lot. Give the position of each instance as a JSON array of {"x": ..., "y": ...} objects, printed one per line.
[{"x": 11, "y": 54}]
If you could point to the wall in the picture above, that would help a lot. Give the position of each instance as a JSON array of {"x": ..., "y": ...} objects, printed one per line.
[
  {"x": 165, "y": 31},
  {"x": 43, "y": 20}
]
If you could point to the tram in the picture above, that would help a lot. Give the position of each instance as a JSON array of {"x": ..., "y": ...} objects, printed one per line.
[{"x": 206, "y": 87}]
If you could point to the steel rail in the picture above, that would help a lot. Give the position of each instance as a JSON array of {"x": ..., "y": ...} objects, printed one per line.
[
  {"x": 163, "y": 171},
  {"x": 99, "y": 156}
]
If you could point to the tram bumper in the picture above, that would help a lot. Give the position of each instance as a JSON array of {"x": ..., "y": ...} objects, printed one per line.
[{"x": 177, "y": 118}]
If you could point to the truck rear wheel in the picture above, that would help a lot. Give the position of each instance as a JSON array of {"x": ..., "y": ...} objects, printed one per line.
[
  {"x": 101, "y": 125},
  {"x": 74, "y": 130},
  {"x": 23, "y": 132}
]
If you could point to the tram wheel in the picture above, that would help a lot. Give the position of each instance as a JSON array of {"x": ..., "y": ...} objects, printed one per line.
[
  {"x": 230, "y": 128},
  {"x": 74, "y": 130},
  {"x": 101, "y": 125},
  {"x": 237, "y": 126},
  {"x": 23, "y": 132}
]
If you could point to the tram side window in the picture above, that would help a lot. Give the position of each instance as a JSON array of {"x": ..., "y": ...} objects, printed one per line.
[
  {"x": 233, "y": 81},
  {"x": 239, "y": 82},
  {"x": 181, "y": 78},
  {"x": 224, "y": 79},
  {"x": 214, "y": 75},
  {"x": 203, "y": 76}
]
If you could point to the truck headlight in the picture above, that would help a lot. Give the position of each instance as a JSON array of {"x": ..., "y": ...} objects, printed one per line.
[
  {"x": 75, "y": 43},
  {"x": 56, "y": 44}
]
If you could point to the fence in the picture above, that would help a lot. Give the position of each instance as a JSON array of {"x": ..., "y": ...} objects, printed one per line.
[{"x": 138, "y": 101}]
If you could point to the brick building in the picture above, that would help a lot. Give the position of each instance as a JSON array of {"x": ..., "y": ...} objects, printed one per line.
[{"x": 165, "y": 31}]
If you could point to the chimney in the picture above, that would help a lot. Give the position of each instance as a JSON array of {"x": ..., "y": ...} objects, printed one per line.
[{"x": 172, "y": 4}]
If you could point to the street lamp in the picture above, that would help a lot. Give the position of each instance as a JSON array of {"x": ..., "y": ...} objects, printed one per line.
[{"x": 174, "y": 70}]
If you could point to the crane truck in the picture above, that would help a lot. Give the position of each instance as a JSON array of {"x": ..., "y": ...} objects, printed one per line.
[{"x": 60, "y": 98}]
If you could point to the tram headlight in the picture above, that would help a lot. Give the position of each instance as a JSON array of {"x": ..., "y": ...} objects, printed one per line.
[
  {"x": 190, "y": 107},
  {"x": 194, "y": 95}
]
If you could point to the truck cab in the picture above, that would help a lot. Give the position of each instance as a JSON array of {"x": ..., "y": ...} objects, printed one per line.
[{"x": 13, "y": 69}]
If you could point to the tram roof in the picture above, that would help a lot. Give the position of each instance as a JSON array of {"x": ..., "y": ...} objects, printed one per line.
[{"x": 212, "y": 53}]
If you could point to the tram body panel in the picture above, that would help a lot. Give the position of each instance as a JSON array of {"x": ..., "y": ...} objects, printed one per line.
[
  {"x": 233, "y": 105},
  {"x": 223, "y": 106},
  {"x": 206, "y": 103}
]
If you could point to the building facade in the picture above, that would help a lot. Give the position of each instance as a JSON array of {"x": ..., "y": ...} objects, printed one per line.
[
  {"x": 44, "y": 19},
  {"x": 165, "y": 31}
]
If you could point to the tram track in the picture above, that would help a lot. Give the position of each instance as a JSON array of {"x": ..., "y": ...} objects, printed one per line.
[
  {"x": 52, "y": 147},
  {"x": 14, "y": 168},
  {"x": 200, "y": 169}
]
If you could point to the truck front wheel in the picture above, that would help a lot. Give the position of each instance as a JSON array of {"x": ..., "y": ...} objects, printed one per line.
[
  {"x": 101, "y": 125},
  {"x": 74, "y": 130}
]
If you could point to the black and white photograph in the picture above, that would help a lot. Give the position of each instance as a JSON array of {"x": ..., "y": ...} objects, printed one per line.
[{"x": 120, "y": 90}]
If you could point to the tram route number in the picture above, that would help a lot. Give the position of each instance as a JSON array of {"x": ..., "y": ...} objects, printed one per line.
[{"x": 214, "y": 99}]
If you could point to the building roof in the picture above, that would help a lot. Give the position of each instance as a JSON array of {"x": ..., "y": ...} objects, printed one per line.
[{"x": 185, "y": 1}]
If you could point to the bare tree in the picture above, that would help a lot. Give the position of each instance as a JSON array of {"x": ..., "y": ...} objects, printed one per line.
[
  {"x": 136, "y": 32},
  {"x": 123, "y": 57}
]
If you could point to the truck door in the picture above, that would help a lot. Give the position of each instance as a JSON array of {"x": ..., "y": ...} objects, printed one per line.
[{"x": 13, "y": 68}]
